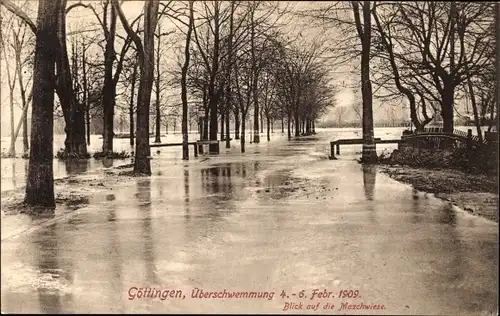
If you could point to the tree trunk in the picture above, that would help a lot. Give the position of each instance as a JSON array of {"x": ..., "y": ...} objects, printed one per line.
[
  {"x": 131, "y": 105},
  {"x": 157, "y": 90},
  {"x": 261, "y": 123},
  {"x": 11, "y": 83},
  {"x": 477, "y": 120},
  {"x": 229, "y": 71},
  {"x": 86, "y": 92},
  {"x": 213, "y": 121},
  {"x": 23, "y": 96},
  {"x": 108, "y": 102},
  {"x": 205, "y": 124},
  {"x": 74, "y": 115},
  {"x": 213, "y": 92},
  {"x": 447, "y": 106},
  {"x": 12, "y": 149},
  {"x": 142, "y": 164},
  {"x": 40, "y": 181},
  {"x": 297, "y": 125},
  {"x": 236, "y": 123},
  {"x": 282, "y": 125},
  {"x": 109, "y": 88},
  {"x": 26, "y": 146},
  {"x": 288, "y": 122},
  {"x": 242, "y": 136},
  {"x": 228, "y": 134},
  {"x": 448, "y": 97},
  {"x": 255, "y": 94},
  {"x": 369, "y": 153},
  {"x": 157, "y": 120},
  {"x": 222, "y": 122},
  {"x": 185, "y": 135},
  {"x": 268, "y": 128}
]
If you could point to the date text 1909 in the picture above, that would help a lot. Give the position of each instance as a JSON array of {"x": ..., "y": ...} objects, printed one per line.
[{"x": 323, "y": 293}]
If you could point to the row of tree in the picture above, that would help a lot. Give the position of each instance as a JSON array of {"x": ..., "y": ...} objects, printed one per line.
[
  {"x": 235, "y": 57},
  {"x": 427, "y": 54}
]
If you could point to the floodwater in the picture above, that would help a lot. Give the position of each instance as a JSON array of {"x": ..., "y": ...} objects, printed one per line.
[{"x": 281, "y": 218}]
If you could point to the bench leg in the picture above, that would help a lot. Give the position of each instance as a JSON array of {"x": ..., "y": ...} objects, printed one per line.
[
  {"x": 332, "y": 151},
  {"x": 338, "y": 149}
]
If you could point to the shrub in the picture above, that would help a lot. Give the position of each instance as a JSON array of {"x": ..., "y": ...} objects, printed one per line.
[
  {"x": 112, "y": 155},
  {"x": 5, "y": 155},
  {"x": 478, "y": 160},
  {"x": 63, "y": 155}
]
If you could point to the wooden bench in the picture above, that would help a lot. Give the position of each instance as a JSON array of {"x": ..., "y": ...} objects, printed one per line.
[
  {"x": 194, "y": 144},
  {"x": 200, "y": 144},
  {"x": 357, "y": 141}
]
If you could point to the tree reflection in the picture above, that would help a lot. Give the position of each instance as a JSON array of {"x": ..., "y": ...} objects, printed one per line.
[
  {"x": 369, "y": 176},
  {"x": 144, "y": 205},
  {"x": 46, "y": 253},
  {"x": 186, "y": 191},
  {"x": 75, "y": 166},
  {"x": 417, "y": 209},
  {"x": 107, "y": 162}
]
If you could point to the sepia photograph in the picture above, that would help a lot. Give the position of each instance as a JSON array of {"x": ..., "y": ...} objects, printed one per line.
[{"x": 249, "y": 157}]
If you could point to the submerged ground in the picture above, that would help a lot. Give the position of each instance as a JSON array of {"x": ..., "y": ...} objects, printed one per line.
[{"x": 281, "y": 217}]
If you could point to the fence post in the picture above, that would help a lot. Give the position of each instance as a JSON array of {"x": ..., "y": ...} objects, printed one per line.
[
  {"x": 469, "y": 149},
  {"x": 332, "y": 151},
  {"x": 469, "y": 140}
]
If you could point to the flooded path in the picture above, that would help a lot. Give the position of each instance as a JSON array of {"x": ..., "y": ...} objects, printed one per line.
[{"x": 279, "y": 218}]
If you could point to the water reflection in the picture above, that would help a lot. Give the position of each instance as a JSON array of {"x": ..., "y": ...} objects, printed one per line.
[
  {"x": 144, "y": 205},
  {"x": 46, "y": 254},
  {"x": 449, "y": 245},
  {"x": 243, "y": 170},
  {"x": 219, "y": 180},
  {"x": 214, "y": 184},
  {"x": 369, "y": 176},
  {"x": 186, "y": 191},
  {"x": 418, "y": 207},
  {"x": 14, "y": 174},
  {"x": 74, "y": 166},
  {"x": 107, "y": 162},
  {"x": 221, "y": 183},
  {"x": 447, "y": 215},
  {"x": 116, "y": 284}
]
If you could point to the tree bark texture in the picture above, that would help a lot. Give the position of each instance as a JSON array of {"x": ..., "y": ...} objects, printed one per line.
[{"x": 40, "y": 182}]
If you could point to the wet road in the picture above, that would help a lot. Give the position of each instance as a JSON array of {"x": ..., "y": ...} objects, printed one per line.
[{"x": 279, "y": 218}]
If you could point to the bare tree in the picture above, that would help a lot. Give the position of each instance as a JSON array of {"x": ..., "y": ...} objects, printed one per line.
[
  {"x": 369, "y": 154},
  {"x": 185, "y": 67},
  {"x": 340, "y": 112},
  {"x": 11, "y": 80},
  {"x": 40, "y": 182},
  {"x": 159, "y": 79},
  {"x": 146, "y": 52}
]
